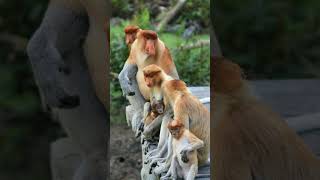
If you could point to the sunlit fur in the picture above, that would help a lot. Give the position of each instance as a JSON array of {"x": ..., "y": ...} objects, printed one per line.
[
  {"x": 131, "y": 33},
  {"x": 250, "y": 141},
  {"x": 186, "y": 107},
  {"x": 161, "y": 58}
]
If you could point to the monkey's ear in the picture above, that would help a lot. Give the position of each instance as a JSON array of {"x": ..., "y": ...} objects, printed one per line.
[
  {"x": 227, "y": 76},
  {"x": 131, "y": 29}
]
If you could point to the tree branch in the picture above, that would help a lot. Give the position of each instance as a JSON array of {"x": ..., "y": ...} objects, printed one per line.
[
  {"x": 170, "y": 15},
  {"x": 197, "y": 44}
]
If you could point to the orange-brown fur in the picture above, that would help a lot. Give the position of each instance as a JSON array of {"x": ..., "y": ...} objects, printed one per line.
[
  {"x": 150, "y": 117},
  {"x": 140, "y": 56},
  {"x": 176, "y": 125},
  {"x": 131, "y": 32},
  {"x": 186, "y": 107},
  {"x": 249, "y": 140}
]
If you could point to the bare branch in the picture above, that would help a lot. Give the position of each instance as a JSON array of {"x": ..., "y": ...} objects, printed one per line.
[
  {"x": 170, "y": 15},
  {"x": 197, "y": 44}
]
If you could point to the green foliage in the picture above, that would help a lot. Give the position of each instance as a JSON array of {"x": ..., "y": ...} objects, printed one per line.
[
  {"x": 143, "y": 19},
  {"x": 270, "y": 39},
  {"x": 195, "y": 10},
  {"x": 25, "y": 132}
]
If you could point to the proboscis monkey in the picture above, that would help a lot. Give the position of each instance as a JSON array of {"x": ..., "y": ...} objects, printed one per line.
[
  {"x": 163, "y": 145},
  {"x": 131, "y": 33},
  {"x": 186, "y": 107},
  {"x": 152, "y": 111},
  {"x": 250, "y": 141},
  {"x": 145, "y": 50},
  {"x": 184, "y": 163},
  {"x": 69, "y": 58}
]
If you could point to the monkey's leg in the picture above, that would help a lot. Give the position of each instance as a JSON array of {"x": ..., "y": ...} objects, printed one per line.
[
  {"x": 162, "y": 145},
  {"x": 171, "y": 173},
  {"x": 162, "y": 151},
  {"x": 151, "y": 128},
  {"x": 163, "y": 167},
  {"x": 192, "y": 172}
]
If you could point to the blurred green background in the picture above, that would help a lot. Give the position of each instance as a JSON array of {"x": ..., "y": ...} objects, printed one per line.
[
  {"x": 25, "y": 131},
  {"x": 270, "y": 39},
  {"x": 275, "y": 39},
  {"x": 191, "y": 24}
]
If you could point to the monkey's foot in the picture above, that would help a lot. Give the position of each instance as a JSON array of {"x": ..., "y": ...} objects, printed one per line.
[{"x": 160, "y": 169}]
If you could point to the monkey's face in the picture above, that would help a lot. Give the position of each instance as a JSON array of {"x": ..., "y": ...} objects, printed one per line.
[
  {"x": 152, "y": 80},
  {"x": 149, "y": 81},
  {"x": 176, "y": 128},
  {"x": 131, "y": 32},
  {"x": 152, "y": 75},
  {"x": 157, "y": 106},
  {"x": 175, "y": 132},
  {"x": 130, "y": 37}
]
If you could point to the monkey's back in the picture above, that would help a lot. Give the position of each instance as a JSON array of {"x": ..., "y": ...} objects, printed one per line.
[{"x": 262, "y": 143}]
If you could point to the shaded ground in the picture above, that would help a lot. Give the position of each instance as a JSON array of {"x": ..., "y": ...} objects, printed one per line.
[{"x": 125, "y": 161}]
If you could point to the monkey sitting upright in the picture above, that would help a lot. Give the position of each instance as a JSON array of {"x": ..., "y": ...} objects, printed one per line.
[
  {"x": 186, "y": 107},
  {"x": 184, "y": 163}
]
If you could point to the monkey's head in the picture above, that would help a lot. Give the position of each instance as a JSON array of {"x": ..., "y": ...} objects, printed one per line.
[
  {"x": 157, "y": 106},
  {"x": 176, "y": 128},
  {"x": 131, "y": 33},
  {"x": 227, "y": 76},
  {"x": 152, "y": 75},
  {"x": 146, "y": 40}
]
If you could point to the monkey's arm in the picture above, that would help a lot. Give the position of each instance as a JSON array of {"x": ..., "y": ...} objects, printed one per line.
[
  {"x": 194, "y": 142},
  {"x": 155, "y": 124},
  {"x": 192, "y": 172},
  {"x": 60, "y": 31},
  {"x": 150, "y": 129}
]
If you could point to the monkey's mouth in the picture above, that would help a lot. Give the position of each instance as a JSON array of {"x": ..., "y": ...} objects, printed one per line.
[{"x": 160, "y": 111}]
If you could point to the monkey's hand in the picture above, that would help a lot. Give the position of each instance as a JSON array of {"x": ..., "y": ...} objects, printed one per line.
[
  {"x": 184, "y": 155},
  {"x": 127, "y": 79}
]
